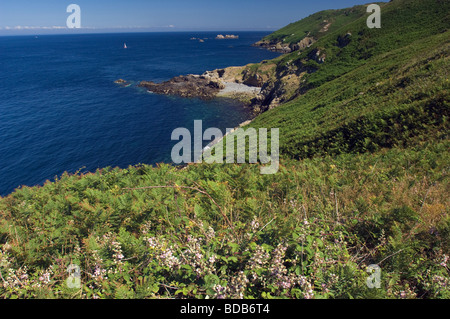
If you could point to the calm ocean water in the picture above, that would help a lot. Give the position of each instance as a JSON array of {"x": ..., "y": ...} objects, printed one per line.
[{"x": 60, "y": 110}]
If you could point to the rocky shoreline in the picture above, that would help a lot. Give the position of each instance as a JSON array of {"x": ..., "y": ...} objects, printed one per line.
[
  {"x": 260, "y": 86},
  {"x": 186, "y": 86},
  {"x": 226, "y": 82},
  {"x": 279, "y": 46},
  {"x": 253, "y": 89}
]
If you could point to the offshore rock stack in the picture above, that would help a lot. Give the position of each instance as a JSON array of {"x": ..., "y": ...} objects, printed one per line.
[{"x": 227, "y": 36}]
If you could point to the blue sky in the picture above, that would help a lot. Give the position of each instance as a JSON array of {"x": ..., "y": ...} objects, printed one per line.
[{"x": 49, "y": 16}]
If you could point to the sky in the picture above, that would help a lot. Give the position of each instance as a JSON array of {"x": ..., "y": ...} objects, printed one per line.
[{"x": 50, "y": 16}]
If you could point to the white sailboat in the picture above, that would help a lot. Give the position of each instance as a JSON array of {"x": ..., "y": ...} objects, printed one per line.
[{"x": 125, "y": 46}]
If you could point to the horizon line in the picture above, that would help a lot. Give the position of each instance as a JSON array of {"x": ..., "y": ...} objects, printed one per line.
[{"x": 117, "y": 31}]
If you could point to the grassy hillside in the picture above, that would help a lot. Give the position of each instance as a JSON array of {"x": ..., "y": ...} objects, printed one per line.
[
  {"x": 363, "y": 180},
  {"x": 347, "y": 46},
  {"x": 382, "y": 103}
]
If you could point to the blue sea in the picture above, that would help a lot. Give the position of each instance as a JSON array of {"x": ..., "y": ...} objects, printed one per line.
[{"x": 61, "y": 111}]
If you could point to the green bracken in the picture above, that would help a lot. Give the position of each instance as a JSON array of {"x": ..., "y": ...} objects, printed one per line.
[{"x": 363, "y": 180}]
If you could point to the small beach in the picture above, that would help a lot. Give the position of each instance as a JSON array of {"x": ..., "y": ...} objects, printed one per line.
[{"x": 238, "y": 88}]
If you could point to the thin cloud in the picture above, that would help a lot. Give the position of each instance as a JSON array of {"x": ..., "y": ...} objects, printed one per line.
[
  {"x": 55, "y": 27},
  {"x": 24, "y": 27}
]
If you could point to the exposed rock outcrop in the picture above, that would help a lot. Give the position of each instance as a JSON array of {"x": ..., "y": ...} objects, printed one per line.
[
  {"x": 303, "y": 44},
  {"x": 280, "y": 46},
  {"x": 121, "y": 82},
  {"x": 227, "y": 36},
  {"x": 186, "y": 86}
]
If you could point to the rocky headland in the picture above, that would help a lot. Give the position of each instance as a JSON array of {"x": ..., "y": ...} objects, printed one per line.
[{"x": 280, "y": 46}]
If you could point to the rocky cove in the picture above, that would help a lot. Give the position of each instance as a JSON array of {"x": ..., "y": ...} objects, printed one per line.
[
  {"x": 261, "y": 86},
  {"x": 186, "y": 86}
]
